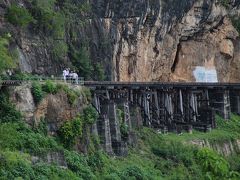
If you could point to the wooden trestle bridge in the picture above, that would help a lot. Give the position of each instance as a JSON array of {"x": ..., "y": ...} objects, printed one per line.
[{"x": 166, "y": 106}]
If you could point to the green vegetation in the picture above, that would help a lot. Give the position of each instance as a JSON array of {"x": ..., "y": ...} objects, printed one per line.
[
  {"x": 70, "y": 131},
  {"x": 37, "y": 92},
  {"x": 57, "y": 20},
  {"x": 225, "y": 3},
  {"x": 123, "y": 126},
  {"x": 81, "y": 60},
  {"x": 236, "y": 23},
  {"x": 6, "y": 59},
  {"x": 7, "y": 110},
  {"x": 59, "y": 50},
  {"x": 213, "y": 165},
  {"x": 50, "y": 87},
  {"x": 155, "y": 156},
  {"x": 99, "y": 73},
  {"x": 18, "y": 16},
  {"x": 226, "y": 131},
  {"x": 90, "y": 114}
]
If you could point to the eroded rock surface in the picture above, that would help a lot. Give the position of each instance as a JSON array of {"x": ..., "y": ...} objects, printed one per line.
[{"x": 144, "y": 40}]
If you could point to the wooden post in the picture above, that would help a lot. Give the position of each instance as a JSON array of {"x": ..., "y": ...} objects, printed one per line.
[
  {"x": 181, "y": 101},
  {"x": 127, "y": 115},
  {"x": 226, "y": 105}
]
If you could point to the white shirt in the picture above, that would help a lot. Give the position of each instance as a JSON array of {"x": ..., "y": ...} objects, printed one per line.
[{"x": 74, "y": 75}]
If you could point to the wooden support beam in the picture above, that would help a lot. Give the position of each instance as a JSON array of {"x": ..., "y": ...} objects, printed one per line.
[
  {"x": 127, "y": 117},
  {"x": 181, "y": 101},
  {"x": 226, "y": 105}
]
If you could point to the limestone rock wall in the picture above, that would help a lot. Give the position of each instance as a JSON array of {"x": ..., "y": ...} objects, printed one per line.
[
  {"x": 55, "y": 109},
  {"x": 144, "y": 40}
]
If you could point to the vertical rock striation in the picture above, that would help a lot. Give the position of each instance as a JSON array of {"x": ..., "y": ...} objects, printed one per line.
[{"x": 143, "y": 40}]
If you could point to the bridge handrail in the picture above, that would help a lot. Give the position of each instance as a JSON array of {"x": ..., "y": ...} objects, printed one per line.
[{"x": 41, "y": 79}]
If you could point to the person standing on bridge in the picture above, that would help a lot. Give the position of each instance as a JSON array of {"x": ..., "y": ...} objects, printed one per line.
[
  {"x": 75, "y": 77},
  {"x": 65, "y": 74}
]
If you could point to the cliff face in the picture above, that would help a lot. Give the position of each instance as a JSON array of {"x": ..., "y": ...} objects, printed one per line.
[
  {"x": 167, "y": 40},
  {"x": 146, "y": 40}
]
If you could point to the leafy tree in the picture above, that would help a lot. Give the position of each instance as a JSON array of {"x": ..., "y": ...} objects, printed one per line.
[{"x": 18, "y": 16}]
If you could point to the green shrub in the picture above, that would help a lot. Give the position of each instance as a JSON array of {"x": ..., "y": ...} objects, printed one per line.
[
  {"x": 175, "y": 151},
  {"x": 132, "y": 172},
  {"x": 50, "y": 87},
  {"x": 37, "y": 92},
  {"x": 43, "y": 13},
  {"x": 71, "y": 93},
  {"x": 9, "y": 136},
  {"x": 59, "y": 50},
  {"x": 15, "y": 165},
  {"x": 6, "y": 60},
  {"x": 81, "y": 60},
  {"x": 36, "y": 143},
  {"x": 90, "y": 115},
  {"x": 99, "y": 72},
  {"x": 236, "y": 23},
  {"x": 72, "y": 97},
  {"x": 8, "y": 111},
  {"x": 213, "y": 165},
  {"x": 87, "y": 94},
  {"x": 18, "y": 16},
  {"x": 70, "y": 131},
  {"x": 20, "y": 76},
  {"x": 112, "y": 176},
  {"x": 225, "y": 3},
  {"x": 123, "y": 126},
  {"x": 41, "y": 128},
  {"x": 97, "y": 161},
  {"x": 78, "y": 164},
  {"x": 124, "y": 131},
  {"x": 47, "y": 171}
]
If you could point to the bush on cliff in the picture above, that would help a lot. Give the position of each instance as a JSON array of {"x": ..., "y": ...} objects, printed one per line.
[
  {"x": 8, "y": 111},
  {"x": 50, "y": 87},
  {"x": 70, "y": 131},
  {"x": 236, "y": 23},
  {"x": 6, "y": 59},
  {"x": 81, "y": 60},
  {"x": 18, "y": 16},
  {"x": 90, "y": 114},
  {"x": 37, "y": 92}
]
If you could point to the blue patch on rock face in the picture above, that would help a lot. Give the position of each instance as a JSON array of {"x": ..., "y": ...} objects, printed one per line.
[{"x": 203, "y": 74}]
